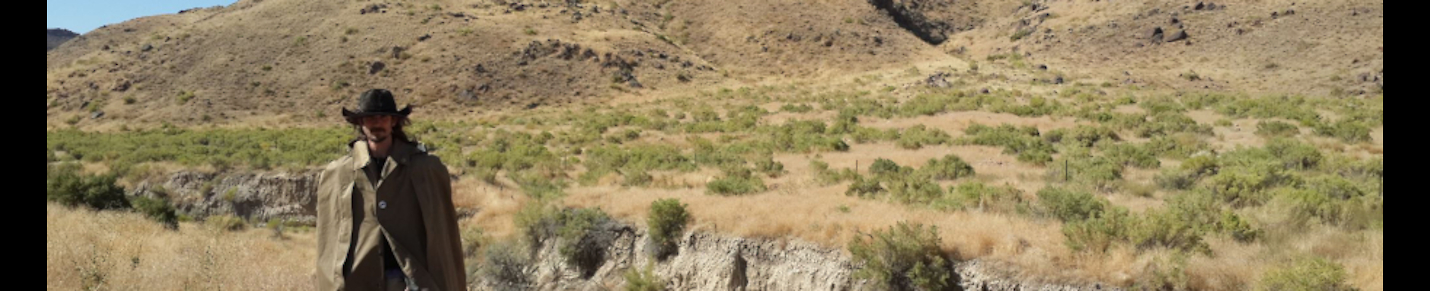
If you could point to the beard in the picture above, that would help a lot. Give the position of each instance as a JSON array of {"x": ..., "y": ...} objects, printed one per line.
[{"x": 378, "y": 135}]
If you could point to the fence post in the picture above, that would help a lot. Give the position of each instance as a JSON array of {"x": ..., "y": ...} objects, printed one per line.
[{"x": 1067, "y": 176}]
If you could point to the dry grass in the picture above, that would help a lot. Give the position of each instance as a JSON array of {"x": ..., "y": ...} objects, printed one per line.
[
  {"x": 1240, "y": 266},
  {"x": 1379, "y": 136},
  {"x": 1242, "y": 133},
  {"x": 495, "y": 206},
  {"x": 131, "y": 253}
]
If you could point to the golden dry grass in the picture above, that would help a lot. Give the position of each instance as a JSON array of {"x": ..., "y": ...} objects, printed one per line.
[{"x": 124, "y": 251}]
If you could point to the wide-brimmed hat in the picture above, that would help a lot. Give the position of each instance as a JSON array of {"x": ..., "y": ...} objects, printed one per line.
[{"x": 376, "y": 102}]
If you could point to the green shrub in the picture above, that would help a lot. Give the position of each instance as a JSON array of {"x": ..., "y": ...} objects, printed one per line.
[
  {"x": 1086, "y": 136},
  {"x": 1132, "y": 155},
  {"x": 1176, "y": 179},
  {"x": 1294, "y": 154},
  {"x": 506, "y": 264},
  {"x": 577, "y": 245},
  {"x": 920, "y": 136},
  {"x": 1186, "y": 219},
  {"x": 1020, "y": 34},
  {"x": 643, "y": 280},
  {"x": 1168, "y": 228},
  {"x": 797, "y": 108},
  {"x": 1038, "y": 106},
  {"x": 1311, "y": 274},
  {"x": 826, "y": 176},
  {"x": 1202, "y": 165},
  {"x": 201, "y": 147},
  {"x": 473, "y": 240},
  {"x": 226, "y": 223},
  {"x": 667, "y": 221},
  {"x": 95, "y": 106},
  {"x": 885, "y": 167},
  {"x": 158, "y": 210},
  {"x": 540, "y": 187},
  {"x": 948, "y": 168},
  {"x": 1181, "y": 225},
  {"x": 67, "y": 187},
  {"x": 735, "y": 182},
  {"x": 913, "y": 190},
  {"x": 1169, "y": 123},
  {"x": 634, "y": 161},
  {"x": 1243, "y": 177},
  {"x": 1334, "y": 187},
  {"x": 1027, "y": 142},
  {"x": 1238, "y": 228},
  {"x": 1177, "y": 146},
  {"x": 770, "y": 167},
  {"x": 866, "y": 188},
  {"x": 1346, "y": 130},
  {"x": 1166, "y": 274},
  {"x": 904, "y": 257},
  {"x": 1099, "y": 171},
  {"x": 637, "y": 178},
  {"x": 573, "y": 229},
  {"x": 706, "y": 115},
  {"x": 1332, "y": 200},
  {"x": 1100, "y": 232},
  {"x": 926, "y": 105},
  {"x": 1370, "y": 111},
  {"x": 1243, "y": 187},
  {"x": 1004, "y": 199},
  {"x": 1162, "y": 104},
  {"x": 868, "y": 135},
  {"x": 1310, "y": 205},
  {"x": 1069, "y": 205},
  {"x": 185, "y": 96},
  {"x": 1297, "y": 108},
  {"x": 1274, "y": 129},
  {"x": 231, "y": 195}
]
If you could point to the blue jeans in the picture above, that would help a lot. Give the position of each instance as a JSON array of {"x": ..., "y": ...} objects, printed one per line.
[{"x": 396, "y": 281}]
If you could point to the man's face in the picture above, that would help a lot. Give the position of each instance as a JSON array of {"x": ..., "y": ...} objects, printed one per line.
[{"x": 377, "y": 128}]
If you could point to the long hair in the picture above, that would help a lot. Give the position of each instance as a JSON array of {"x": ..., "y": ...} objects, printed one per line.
[{"x": 398, "y": 134}]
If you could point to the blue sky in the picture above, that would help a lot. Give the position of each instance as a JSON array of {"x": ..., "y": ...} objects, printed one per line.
[{"x": 83, "y": 16}]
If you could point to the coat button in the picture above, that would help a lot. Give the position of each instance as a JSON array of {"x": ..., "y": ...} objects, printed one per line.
[{"x": 382, "y": 205}]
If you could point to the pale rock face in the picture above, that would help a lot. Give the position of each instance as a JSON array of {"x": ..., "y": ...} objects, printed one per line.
[
  {"x": 708, "y": 262},
  {"x": 255, "y": 197}
]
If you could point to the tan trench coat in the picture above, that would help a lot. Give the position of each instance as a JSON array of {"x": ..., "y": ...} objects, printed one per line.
[{"x": 411, "y": 206}]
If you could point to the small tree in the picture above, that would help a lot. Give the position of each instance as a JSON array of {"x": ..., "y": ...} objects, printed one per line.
[{"x": 668, "y": 218}]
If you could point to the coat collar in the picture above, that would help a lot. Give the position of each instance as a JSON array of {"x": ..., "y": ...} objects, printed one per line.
[{"x": 402, "y": 153}]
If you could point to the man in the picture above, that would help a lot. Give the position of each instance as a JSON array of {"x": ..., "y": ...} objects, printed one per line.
[{"x": 385, "y": 215}]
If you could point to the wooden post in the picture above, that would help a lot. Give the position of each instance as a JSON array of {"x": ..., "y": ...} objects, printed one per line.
[{"x": 1067, "y": 176}]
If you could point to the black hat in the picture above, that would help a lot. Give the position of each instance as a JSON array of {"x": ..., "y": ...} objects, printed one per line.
[{"x": 375, "y": 103}]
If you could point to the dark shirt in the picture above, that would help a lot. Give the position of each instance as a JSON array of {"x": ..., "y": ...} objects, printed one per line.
[{"x": 374, "y": 175}]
